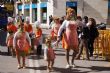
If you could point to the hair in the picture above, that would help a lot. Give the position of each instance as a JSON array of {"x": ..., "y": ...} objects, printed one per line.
[
  {"x": 21, "y": 24},
  {"x": 70, "y": 10},
  {"x": 86, "y": 19},
  {"x": 56, "y": 18},
  {"x": 79, "y": 18},
  {"x": 48, "y": 40},
  {"x": 93, "y": 21}
]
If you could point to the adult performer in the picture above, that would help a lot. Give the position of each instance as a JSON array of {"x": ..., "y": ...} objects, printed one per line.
[{"x": 70, "y": 36}]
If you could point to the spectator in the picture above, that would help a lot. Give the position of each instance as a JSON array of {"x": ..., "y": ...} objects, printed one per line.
[
  {"x": 82, "y": 38},
  {"x": 93, "y": 33},
  {"x": 22, "y": 17},
  {"x": 50, "y": 19}
]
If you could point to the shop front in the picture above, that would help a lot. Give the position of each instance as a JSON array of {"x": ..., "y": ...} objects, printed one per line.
[
  {"x": 43, "y": 7},
  {"x": 26, "y": 10},
  {"x": 32, "y": 10},
  {"x": 72, "y": 4}
]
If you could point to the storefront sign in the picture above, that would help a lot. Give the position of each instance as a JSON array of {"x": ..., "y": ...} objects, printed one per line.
[
  {"x": 43, "y": 5},
  {"x": 27, "y": 6},
  {"x": 71, "y": 4}
]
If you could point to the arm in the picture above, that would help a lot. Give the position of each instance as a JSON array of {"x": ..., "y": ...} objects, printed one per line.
[
  {"x": 7, "y": 38},
  {"x": 39, "y": 33},
  {"x": 28, "y": 38},
  {"x": 45, "y": 53},
  {"x": 62, "y": 27},
  {"x": 14, "y": 40}
]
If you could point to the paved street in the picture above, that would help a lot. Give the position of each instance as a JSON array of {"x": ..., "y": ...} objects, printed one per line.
[{"x": 8, "y": 64}]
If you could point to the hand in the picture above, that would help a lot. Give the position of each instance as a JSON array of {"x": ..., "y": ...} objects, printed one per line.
[
  {"x": 58, "y": 39},
  {"x": 54, "y": 43}
]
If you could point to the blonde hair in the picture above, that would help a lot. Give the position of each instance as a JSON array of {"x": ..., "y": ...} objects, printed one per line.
[
  {"x": 48, "y": 40},
  {"x": 70, "y": 10}
]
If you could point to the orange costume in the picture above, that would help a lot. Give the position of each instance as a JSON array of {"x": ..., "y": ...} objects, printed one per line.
[
  {"x": 38, "y": 32},
  {"x": 38, "y": 35},
  {"x": 28, "y": 28},
  {"x": 11, "y": 28},
  {"x": 9, "y": 40},
  {"x": 70, "y": 37}
]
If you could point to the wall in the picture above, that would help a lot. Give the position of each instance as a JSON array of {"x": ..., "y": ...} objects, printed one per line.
[
  {"x": 59, "y": 7},
  {"x": 97, "y": 9}
]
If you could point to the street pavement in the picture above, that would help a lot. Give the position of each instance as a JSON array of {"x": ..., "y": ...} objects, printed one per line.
[{"x": 34, "y": 64}]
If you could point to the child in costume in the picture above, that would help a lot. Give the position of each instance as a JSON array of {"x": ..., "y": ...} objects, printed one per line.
[
  {"x": 49, "y": 54},
  {"x": 21, "y": 44}
]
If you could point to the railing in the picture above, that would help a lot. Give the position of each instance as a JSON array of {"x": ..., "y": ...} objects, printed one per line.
[{"x": 102, "y": 44}]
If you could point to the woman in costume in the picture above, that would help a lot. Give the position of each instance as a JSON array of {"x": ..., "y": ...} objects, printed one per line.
[
  {"x": 70, "y": 36},
  {"x": 55, "y": 28},
  {"x": 38, "y": 38},
  {"x": 11, "y": 29},
  {"x": 21, "y": 43}
]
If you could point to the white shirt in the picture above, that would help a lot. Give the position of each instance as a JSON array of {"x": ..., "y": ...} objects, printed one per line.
[{"x": 64, "y": 25}]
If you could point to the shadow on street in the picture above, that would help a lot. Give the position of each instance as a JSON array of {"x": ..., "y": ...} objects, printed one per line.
[
  {"x": 3, "y": 35},
  {"x": 4, "y": 53}
]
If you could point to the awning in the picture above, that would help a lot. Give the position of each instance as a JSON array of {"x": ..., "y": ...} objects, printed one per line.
[{"x": 27, "y": 6}]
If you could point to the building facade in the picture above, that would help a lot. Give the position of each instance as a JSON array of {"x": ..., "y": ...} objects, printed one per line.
[{"x": 41, "y": 9}]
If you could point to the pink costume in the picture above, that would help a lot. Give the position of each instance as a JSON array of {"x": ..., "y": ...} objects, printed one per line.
[
  {"x": 70, "y": 37},
  {"x": 49, "y": 53},
  {"x": 54, "y": 31},
  {"x": 21, "y": 42}
]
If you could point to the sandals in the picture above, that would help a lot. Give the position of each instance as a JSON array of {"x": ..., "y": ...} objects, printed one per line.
[{"x": 19, "y": 67}]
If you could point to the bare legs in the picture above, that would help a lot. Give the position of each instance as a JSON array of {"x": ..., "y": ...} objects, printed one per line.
[
  {"x": 67, "y": 56},
  {"x": 50, "y": 65},
  {"x": 19, "y": 63},
  {"x": 73, "y": 56},
  {"x": 19, "y": 57}
]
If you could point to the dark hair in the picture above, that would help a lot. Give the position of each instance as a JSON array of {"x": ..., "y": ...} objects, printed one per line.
[
  {"x": 21, "y": 24},
  {"x": 79, "y": 18},
  {"x": 86, "y": 19},
  {"x": 93, "y": 21}
]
